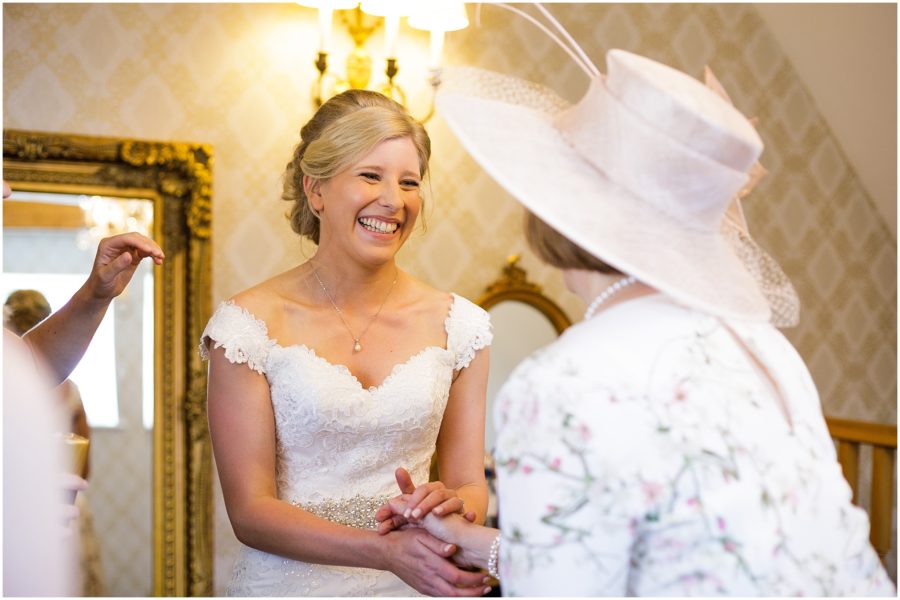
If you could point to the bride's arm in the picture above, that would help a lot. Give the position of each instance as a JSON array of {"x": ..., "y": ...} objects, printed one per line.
[
  {"x": 460, "y": 445},
  {"x": 242, "y": 427}
]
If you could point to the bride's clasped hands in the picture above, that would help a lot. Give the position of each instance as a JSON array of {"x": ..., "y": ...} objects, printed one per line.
[
  {"x": 436, "y": 509},
  {"x": 421, "y": 560},
  {"x": 434, "y": 516}
]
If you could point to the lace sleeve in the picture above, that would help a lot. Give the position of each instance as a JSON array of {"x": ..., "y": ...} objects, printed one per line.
[
  {"x": 244, "y": 337},
  {"x": 468, "y": 330}
]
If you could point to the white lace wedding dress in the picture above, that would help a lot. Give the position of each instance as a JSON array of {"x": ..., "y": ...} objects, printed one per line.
[{"x": 338, "y": 443}]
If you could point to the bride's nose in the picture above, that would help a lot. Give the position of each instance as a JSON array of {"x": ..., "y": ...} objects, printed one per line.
[{"x": 391, "y": 197}]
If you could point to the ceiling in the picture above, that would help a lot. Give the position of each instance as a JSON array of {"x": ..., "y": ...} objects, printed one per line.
[{"x": 846, "y": 55}]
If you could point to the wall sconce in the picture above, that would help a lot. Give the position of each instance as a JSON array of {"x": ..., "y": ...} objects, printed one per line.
[{"x": 362, "y": 19}]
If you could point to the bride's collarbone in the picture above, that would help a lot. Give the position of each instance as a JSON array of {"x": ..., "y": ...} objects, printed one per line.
[
  {"x": 386, "y": 335},
  {"x": 389, "y": 342}
]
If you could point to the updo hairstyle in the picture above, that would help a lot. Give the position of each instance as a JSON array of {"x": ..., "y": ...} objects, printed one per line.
[
  {"x": 24, "y": 309},
  {"x": 344, "y": 129}
]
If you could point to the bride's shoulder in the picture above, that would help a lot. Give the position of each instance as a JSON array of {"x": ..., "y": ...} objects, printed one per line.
[
  {"x": 241, "y": 326},
  {"x": 257, "y": 301},
  {"x": 448, "y": 304},
  {"x": 264, "y": 301},
  {"x": 428, "y": 299}
]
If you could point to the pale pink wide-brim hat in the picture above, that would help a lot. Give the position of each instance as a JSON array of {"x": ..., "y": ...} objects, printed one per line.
[{"x": 639, "y": 172}]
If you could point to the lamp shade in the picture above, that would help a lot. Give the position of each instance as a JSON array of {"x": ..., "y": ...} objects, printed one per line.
[
  {"x": 332, "y": 4},
  {"x": 390, "y": 8},
  {"x": 439, "y": 15}
]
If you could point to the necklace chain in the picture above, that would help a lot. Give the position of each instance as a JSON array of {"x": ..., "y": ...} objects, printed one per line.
[
  {"x": 357, "y": 347},
  {"x": 607, "y": 294}
]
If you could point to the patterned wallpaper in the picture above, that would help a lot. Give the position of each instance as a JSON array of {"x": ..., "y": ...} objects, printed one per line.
[{"x": 238, "y": 76}]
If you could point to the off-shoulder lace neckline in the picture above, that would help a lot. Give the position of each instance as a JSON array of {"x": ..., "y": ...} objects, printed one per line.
[{"x": 342, "y": 368}]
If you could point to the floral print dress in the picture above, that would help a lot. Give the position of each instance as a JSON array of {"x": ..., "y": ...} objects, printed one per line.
[{"x": 642, "y": 453}]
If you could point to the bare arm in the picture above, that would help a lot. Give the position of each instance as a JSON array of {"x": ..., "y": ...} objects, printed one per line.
[
  {"x": 460, "y": 456},
  {"x": 242, "y": 426},
  {"x": 473, "y": 541},
  {"x": 460, "y": 443},
  {"x": 460, "y": 453},
  {"x": 63, "y": 337}
]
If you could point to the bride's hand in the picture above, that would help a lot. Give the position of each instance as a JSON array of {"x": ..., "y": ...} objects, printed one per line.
[
  {"x": 414, "y": 503},
  {"x": 454, "y": 530},
  {"x": 390, "y": 515},
  {"x": 420, "y": 560},
  {"x": 432, "y": 497},
  {"x": 464, "y": 540}
]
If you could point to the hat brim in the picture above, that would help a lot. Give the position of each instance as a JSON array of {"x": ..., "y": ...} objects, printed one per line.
[{"x": 521, "y": 149}]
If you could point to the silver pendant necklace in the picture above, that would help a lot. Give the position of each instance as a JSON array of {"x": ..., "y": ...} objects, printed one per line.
[
  {"x": 607, "y": 294},
  {"x": 357, "y": 347}
]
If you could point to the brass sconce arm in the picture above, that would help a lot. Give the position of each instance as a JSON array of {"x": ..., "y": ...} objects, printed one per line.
[{"x": 361, "y": 20}]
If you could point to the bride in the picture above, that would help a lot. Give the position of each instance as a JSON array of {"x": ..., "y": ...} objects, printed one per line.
[{"x": 325, "y": 378}]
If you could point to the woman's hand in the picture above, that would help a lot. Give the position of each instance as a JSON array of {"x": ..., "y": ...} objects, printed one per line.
[
  {"x": 420, "y": 560},
  {"x": 116, "y": 260},
  {"x": 433, "y": 496},
  {"x": 460, "y": 539},
  {"x": 414, "y": 503}
]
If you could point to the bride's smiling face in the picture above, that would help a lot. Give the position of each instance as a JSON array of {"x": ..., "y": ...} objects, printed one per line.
[{"x": 371, "y": 208}]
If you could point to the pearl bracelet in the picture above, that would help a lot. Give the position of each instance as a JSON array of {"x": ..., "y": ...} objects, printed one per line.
[{"x": 494, "y": 559}]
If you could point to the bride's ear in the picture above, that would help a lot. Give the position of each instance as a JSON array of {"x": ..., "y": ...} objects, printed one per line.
[{"x": 312, "y": 187}]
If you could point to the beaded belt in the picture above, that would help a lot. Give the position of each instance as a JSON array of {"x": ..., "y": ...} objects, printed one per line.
[{"x": 358, "y": 511}]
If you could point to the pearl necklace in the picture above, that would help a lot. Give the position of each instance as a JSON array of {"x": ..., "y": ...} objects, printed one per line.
[
  {"x": 357, "y": 347},
  {"x": 607, "y": 294}
]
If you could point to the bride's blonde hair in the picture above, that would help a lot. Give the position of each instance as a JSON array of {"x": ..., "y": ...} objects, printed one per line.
[{"x": 343, "y": 130}]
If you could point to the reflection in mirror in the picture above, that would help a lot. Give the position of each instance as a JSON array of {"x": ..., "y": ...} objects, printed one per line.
[
  {"x": 174, "y": 486},
  {"x": 48, "y": 247}
]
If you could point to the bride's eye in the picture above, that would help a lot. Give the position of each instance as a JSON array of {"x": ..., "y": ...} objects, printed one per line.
[
  {"x": 370, "y": 176},
  {"x": 409, "y": 183}
]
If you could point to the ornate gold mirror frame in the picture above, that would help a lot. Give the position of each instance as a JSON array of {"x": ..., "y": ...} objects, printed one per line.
[
  {"x": 177, "y": 177},
  {"x": 513, "y": 284}
]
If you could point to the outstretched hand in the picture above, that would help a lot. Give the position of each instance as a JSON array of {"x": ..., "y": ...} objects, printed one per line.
[
  {"x": 415, "y": 503},
  {"x": 117, "y": 259}
]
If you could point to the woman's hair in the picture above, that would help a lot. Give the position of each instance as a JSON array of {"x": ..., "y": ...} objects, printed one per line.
[
  {"x": 559, "y": 251},
  {"x": 24, "y": 309},
  {"x": 344, "y": 129}
]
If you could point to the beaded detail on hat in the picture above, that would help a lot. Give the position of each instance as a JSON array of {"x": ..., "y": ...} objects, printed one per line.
[
  {"x": 472, "y": 81},
  {"x": 772, "y": 281}
]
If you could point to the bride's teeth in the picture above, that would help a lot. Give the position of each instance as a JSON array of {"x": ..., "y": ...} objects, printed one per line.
[{"x": 379, "y": 226}]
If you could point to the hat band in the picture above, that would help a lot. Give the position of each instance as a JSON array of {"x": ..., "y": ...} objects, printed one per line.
[{"x": 660, "y": 170}]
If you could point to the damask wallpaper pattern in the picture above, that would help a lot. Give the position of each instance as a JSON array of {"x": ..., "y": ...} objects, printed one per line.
[{"x": 238, "y": 76}]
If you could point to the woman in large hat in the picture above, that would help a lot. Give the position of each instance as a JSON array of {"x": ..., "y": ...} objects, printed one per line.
[{"x": 673, "y": 442}]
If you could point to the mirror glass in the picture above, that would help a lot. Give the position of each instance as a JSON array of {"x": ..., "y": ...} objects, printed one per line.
[
  {"x": 519, "y": 330},
  {"x": 48, "y": 247}
]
